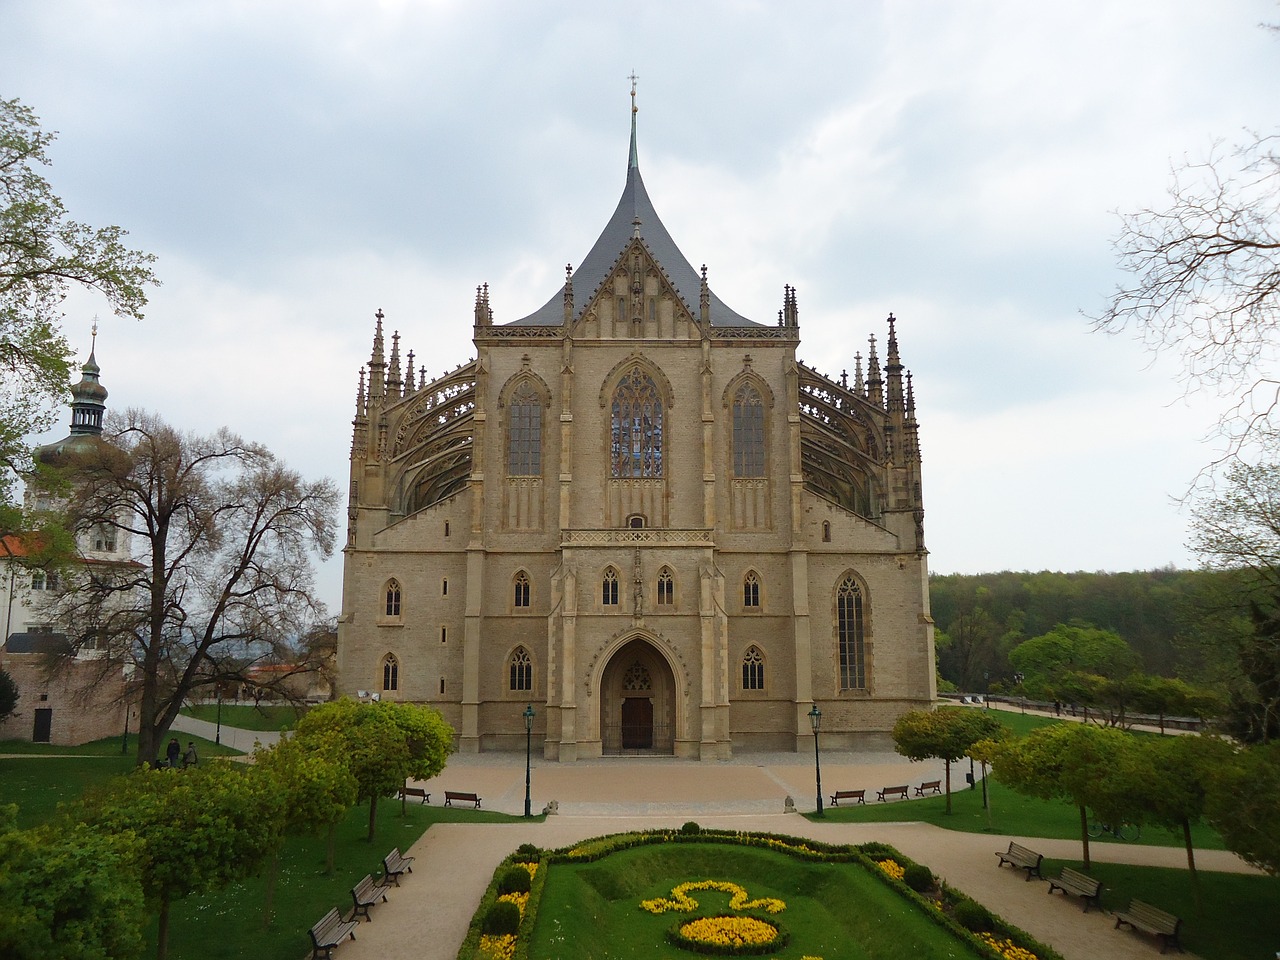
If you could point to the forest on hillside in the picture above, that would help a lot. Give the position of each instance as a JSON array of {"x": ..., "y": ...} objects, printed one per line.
[{"x": 1178, "y": 622}]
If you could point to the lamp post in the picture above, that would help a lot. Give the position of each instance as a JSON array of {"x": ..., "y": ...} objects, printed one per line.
[
  {"x": 124, "y": 740},
  {"x": 217, "y": 736},
  {"x": 528, "y": 754},
  {"x": 815, "y": 721}
]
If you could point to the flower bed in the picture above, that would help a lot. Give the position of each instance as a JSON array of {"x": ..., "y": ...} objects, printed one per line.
[{"x": 943, "y": 905}]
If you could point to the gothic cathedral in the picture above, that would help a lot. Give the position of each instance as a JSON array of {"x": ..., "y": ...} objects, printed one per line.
[{"x": 636, "y": 512}]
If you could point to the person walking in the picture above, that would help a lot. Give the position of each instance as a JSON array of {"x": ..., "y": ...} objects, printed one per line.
[
  {"x": 173, "y": 753},
  {"x": 189, "y": 759}
]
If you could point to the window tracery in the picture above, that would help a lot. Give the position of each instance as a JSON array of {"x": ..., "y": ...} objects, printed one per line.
[{"x": 636, "y": 430}]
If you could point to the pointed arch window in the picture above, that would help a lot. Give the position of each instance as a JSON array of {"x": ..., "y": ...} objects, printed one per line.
[
  {"x": 851, "y": 635},
  {"x": 392, "y": 599},
  {"x": 522, "y": 589},
  {"x": 753, "y": 669},
  {"x": 666, "y": 587},
  {"x": 751, "y": 591},
  {"x": 390, "y": 672},
  {"x": 636, "y": 429},
  {"x": 520, "y": 669},
  {"x": 748, "y": 432},
  {"x": 609, "y": 588},
  {"x": 524, "y": 432}
]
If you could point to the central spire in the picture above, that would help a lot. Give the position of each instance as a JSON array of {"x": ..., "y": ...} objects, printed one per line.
[{"x": 634, "y": 162}]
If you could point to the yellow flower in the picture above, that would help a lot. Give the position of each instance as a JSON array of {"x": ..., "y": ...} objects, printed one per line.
[
  {"x": 892, "y": 868},
  {"x": 519, "y": 899},
  {"x": 497, "y": 948},
  {"x": 730, "y": 931},
  {"x": 1007, "y": 948},
  {"x": 681, "y": 902},
  {"x": 531, "y": 867}
]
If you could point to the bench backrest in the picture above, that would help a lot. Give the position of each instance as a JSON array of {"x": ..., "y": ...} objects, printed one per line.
[
  {"x": 1015, "y": 847},
  {"x": 364, "y": 885},
  {"x": 325, "y": 923},
  {"x": 931, "y": 783},
  {"x": 1153, "y": 916},
  {"x": 1075, "y": 876}
]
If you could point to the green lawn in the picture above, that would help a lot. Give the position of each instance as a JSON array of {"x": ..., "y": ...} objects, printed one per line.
[
  {"x": 1216, "y": 932},
  {"x": 246, "y": 716},
  {"x": 837, "y": 911}
]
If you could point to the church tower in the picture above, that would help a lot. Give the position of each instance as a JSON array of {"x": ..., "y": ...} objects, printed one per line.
[{"x": 636, "y": 510}]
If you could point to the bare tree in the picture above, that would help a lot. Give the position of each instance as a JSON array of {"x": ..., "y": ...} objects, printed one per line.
[
  {"x": 1206, "y": 283},
  {"x": 220, "y": 573}
]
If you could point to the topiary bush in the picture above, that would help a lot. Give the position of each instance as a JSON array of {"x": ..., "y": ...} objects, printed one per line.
[
  {"x": 503, "y": 919},
  {"x": 528, "y": 851},
  {"x": 690, "y": 828},
  {"x": 973, "y": 916},
  {"x": 918, "y": 877},
  {"x": 514, "y": 880}
]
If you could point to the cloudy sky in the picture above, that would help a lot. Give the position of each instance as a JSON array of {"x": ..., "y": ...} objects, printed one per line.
[{"x": 297, "y": 165}]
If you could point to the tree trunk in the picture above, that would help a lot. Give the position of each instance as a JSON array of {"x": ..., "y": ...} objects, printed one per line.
[
  {"x": 1191, "y": 865},
  {"x": 373, "y": 815},
  {"x": 269, "y": 896},
  {"x": 1084, "y": 833},
  {"x": 162, "y": 937}
]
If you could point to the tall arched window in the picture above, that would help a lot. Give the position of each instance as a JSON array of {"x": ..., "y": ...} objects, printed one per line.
[
  {"x": 392, "y": 606},
  {"x": 524, "y": 432},
  {"x": 521, "y": 670},
  {"x": 609, "y": 588},
  {"x": 636, "y": 438},
  {"x": 522, "y": 589},
  {"x": 751, "y": 591},
  {"x": 850, "y": 625},
  {"x": 748, "y": 432},
  {"x": 666, "y": 587},
  {"x": 753, "y": 669},
  {"x": 390, "y": 672}
]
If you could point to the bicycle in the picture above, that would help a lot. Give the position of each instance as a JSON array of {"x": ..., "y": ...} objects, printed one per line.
[{"x": 1123, "y": 831}]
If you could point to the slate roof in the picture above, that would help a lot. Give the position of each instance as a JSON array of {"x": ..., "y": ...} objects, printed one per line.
[
  {"x": 38, "y": 643},
  {"x": 618, "y": 232}
]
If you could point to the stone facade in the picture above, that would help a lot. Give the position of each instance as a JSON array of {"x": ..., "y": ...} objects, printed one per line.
[{"x": 638, "y": 512}]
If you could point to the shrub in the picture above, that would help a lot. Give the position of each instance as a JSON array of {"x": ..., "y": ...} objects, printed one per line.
[
  {"x": 514, "y": 880},
  {"x": 503, "y": 919},
  {"x": 918, "y": 877},
  {"x": 973, "y": 916},
  {"x": 528, "y": 851},
  {"x": 690, "y": 828}
]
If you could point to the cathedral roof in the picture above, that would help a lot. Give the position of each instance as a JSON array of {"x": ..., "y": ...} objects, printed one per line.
[{"x": 618, "y": 232}]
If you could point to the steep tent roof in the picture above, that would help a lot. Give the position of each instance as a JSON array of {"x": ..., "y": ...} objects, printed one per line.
[{"x": 618, "y": 232}]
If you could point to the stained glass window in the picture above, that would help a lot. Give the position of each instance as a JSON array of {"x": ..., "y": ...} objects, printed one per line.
[
  {"x": 748, "y": 432},
  {"x": 850, "y": 627},
  {"x": 636, "y": 440},
  {"x": 524, "y": 432}
]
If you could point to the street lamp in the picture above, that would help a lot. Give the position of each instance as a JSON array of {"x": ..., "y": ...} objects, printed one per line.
[
  {"x": 528, "y": 754},
  {"x": 815, "y": 721},
  {"x": 124, "y": 740},
  {"x": 217, "y": 736}
]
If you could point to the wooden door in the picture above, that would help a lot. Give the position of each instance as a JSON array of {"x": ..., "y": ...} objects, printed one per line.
[
  {"x": 43, "y": 726},
  {"x": 637, "y": 723}
]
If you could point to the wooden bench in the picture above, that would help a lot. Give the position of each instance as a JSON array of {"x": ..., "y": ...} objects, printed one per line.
[
  {"x": 365, "y": 894},
  {"x": 394, "y": 864},
  {"x": 1149, "y": 919},
  {"x": 929, "y": 786},
  {"x": 859, "y": 795},
  {"x": 406, "y": 792},
  {"x": 1081, "y": 884},
  {"x": 452, "y": 795},
  {"x": 1021, "y": 858},
  {"x": 887, "y": 792},
  {"x": 329, "y": 931}
]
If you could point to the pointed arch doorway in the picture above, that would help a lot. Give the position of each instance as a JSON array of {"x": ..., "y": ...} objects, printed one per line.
[{"x": 637, "y": 702}]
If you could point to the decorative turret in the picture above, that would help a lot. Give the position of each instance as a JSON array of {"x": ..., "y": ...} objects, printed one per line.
[
  {"x": 395, "y": 386},
  {"x": 893, "y": 372},
  {"x": 568, "y": 294},
  {"x": 875, "y": 393},
  {"x": 377, "y": 363},
  {"x": 360, "y": 423},
  {"x": 790, "y": 310},
  {"x": 88, "y": 397}
]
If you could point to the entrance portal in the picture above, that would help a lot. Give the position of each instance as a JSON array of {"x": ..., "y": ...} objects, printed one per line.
[{"x": 637, "y": 702}]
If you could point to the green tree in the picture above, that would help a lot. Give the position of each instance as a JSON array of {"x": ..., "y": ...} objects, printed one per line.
[
  {"x": 203, "y": 828},
  {"x": 317, "y": 787},
  {"x": 943, "y": 734},
  {"x": 8, "y": 695},
  {"x": 1071, "y": 648},
  {"x": 224, "y": 537},
  {"x": 383, "y": 744},
  {"x": 1069, "y": 761},
  {"x": 43, "y": 255},
  {"x": 69, "y": 893},
  {"x": 1244, "y": 805}
]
